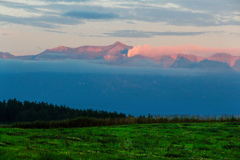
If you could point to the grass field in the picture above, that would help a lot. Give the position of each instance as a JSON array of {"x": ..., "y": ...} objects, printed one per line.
[{"x": 139, "y": 141}]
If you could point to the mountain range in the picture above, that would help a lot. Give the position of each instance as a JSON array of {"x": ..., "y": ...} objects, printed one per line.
[{"x": 117, "y": 54}]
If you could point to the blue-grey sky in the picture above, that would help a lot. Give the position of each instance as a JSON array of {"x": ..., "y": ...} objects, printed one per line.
[{"x": 31, "y": 26}]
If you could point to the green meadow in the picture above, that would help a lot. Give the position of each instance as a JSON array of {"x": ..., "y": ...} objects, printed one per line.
[{"x": 216, "y": 140}]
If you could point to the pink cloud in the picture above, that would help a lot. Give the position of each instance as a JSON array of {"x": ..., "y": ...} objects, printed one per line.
[{"x": 150, "y": 51}]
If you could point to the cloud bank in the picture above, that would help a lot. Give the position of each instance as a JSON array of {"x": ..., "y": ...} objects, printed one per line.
[
  {"x": 147, "y": 34},
  {"x": 178, "y": 13},
  {"x": 150, "y": 51}
]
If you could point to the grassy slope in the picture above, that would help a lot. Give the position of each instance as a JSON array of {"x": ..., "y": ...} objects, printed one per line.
[{"x": 145, "y": 141}]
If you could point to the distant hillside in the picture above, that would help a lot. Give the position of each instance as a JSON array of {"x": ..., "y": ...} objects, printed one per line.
[
  {"x": 212, "y": 66},
  {"x": 137, "y": 60},
  {"x": 182, "y": 62},
  {"x": 5, "y": 55},
  {"x": 236, "y": 65}
]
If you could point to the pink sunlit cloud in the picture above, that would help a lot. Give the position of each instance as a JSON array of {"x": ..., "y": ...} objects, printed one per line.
[{"x": 150, "y": 51}]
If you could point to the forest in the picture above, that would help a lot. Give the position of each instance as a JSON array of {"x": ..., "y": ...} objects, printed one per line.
[
  {"x": 27, "y": 114},
  {"x": 13, "y": 110}
]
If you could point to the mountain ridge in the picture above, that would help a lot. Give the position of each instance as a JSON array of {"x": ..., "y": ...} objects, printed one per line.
[
  {"x": 117, "y": 54},
  {"x": 109, "y": 52}
]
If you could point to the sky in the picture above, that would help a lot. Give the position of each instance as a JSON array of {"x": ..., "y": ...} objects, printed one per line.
[{"x": 28, "y": 27}]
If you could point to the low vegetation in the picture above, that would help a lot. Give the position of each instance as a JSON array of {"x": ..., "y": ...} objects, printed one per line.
[
  {"x": 92, "y": 122},
  {"x": 218, "y": 140}
]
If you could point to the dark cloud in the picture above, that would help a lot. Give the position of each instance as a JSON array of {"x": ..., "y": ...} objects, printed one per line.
[
  {"x": 38, "y": 47},
  {"x": 129, "y": 22},
  {"x": 90, "y": 15},
  {"x": 58, "y": 20},
  {"x": 145, "y": 34}
]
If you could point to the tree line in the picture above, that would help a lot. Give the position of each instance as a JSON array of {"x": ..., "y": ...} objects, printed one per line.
[
  {"x": 43, "y": 115},
  {"x": 13, "y": 110}
]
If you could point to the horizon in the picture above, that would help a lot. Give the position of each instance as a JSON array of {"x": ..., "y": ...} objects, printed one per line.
[
  {"x": 30, "y": 27},
  {"x": 190, "y": 49}
]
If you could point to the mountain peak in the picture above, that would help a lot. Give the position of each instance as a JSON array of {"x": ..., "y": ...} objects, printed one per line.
[
  {"x": 6, "y": 55},
  {"x": 119, "y": 44},
  {"x": 221, "y": 55},
  {"x": 224, "y": 57},
  {"x": 59, "y": 49},
  {"x": 182, "y": 62}
]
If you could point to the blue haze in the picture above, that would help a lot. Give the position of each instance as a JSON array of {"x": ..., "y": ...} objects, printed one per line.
[{"x": 131, "y": 90}]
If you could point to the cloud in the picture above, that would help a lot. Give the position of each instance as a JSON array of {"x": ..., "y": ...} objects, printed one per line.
[
  {"x": 90, "y": 15},
  {"x": 150, "y": 51},
  {"x": 147, "y": 34},
  {"x": 17, "y": 5},
  {"x": 172, "y": 12},
  {"x": 130, "y": 22},
  {"x": 26, "y": 21},
  {"x": 54, "y": 31},
  {"x": 185, "y": 12},
  {"x": 17, "y": 12},
  {"x": 40, "y": 22},
  {"x": 129, "y": 34},
  {"x": 5, "y": 34},
  {"x": 213, "y": 6},
  {"x": 235, "y": 33},
  {"x": 66, "y": 0},
  {"x": 180, "y": 18},
  {"x": 179, "y": 33}
]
